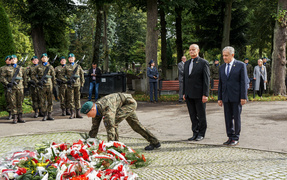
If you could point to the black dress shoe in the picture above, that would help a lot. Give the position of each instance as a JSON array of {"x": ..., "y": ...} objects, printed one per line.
[
  {"x": 234, "y": 143},
  {"x": 192, "y": 138},
  {"x": 227, "y": 142},
  {"x": 152, "y": 146},
  {"x": 199, "y": 138}
]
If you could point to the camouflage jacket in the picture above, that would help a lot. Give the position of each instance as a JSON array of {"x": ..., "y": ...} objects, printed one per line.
[
  {"x": 214, "y": 72},
  {"x": 7, "y": 73},
  {"x": 39, "y": 72},
  {"x": 110, "y": 104},
  {"x": 29, "y": 71},
  {"x": 60, "y": 73},
  {"x": 79, "y": 75}
]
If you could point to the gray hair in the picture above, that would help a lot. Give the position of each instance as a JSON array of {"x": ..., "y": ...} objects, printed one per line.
[{"x": 229, "y": 49}]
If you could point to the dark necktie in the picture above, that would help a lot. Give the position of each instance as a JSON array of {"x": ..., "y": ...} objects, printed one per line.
[
  {"x": 228, "y": 67},
  {"x": 190, "y": 66}
]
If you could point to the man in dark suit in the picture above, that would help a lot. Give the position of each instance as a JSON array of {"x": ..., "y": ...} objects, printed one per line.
[
  {"x": 195, "y": 91},
  {"x": 232, "y": 93},
  {"x": 95, "y": 79}
]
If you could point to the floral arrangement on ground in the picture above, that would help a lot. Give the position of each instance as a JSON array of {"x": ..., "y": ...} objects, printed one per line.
[{"x": 89, "y": 159}]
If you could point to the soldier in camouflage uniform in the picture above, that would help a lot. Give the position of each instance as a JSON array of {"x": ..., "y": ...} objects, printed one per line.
[
  {"x": 45, "y": 87},
  {"x": 74, "y": 86},
  {"x": 34, "y": 90},
  {"x": 113, "y": 109},
  {"x": 61, "y": 81},
  {"x": 8, "y": 106},
  {"x": 249, "y": 68},
  {"x": 15, "y": 92},
  {"x": 214, "y": 70}
]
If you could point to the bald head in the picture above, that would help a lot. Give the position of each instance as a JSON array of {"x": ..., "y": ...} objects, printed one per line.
[{"x": 193, "y": 50}]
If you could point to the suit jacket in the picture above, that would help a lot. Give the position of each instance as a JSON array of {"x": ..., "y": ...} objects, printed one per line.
[
  {"x": 196, "y": 84},
  {"x": 234, "y": 87},
  {"x": 180, "y": 71},
  {"x": 98, "y": 73},
  {"x": 151, "y": 72}
]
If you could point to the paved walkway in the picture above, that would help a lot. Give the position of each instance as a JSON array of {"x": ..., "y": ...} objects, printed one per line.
[{"x": 260, "y": 155}]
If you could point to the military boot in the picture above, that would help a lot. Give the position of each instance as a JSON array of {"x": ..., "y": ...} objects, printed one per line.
[
  {"x": 41, "y": 114},
  {"x": 36, "y": 113},
  {"x": 45, "y": 116},
  {"x": 20, "y": 119},
  {"x": 63, "y": 112},
  {"x": 14, "y": 119},
  {"x": 78, "y": 114},
  {"x": 50, "y": 116},
  {"x": 68, "y": 112},
  {"x": 10, "y": 115},
  {"x": 72, "y": 114}
]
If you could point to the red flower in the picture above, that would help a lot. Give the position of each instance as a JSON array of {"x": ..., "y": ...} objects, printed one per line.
[
  {"x": 143, "y": 158},
  {"x": 21, "y": 171},
  {"x": 63, "y": 147},
  {"x": 35, "y": 160}
]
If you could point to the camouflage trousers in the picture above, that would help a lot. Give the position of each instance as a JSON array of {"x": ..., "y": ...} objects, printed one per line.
[
  {"x": 73, "y": 97},
  {"x": 8, "y": 105},
  {"x": 113, "y": 118},
  {"x": 34, "y": 92},
  {"x": 46, "y": 98},
  {"x": 63, "y": 96},
  {"x": 15, "y": 100}
]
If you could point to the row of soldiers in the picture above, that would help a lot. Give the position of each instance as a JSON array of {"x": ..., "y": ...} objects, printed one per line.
[
  {"x": 214, "y": 69},
  {"x": 41, "y": 79}
]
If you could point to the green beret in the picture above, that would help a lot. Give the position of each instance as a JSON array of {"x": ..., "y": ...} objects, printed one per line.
[
  {"x": 45, "y": 54},
  {"x": 7, "y": 57},
  {"x": 216, "y": 60},
  {"x": 87, "y": 107},
  {"x": 71, "y": 55},
  {"x": 246, "y": 59},
  {"x": 63, "y": 57},
  {"x": 13, "y": 56},
  {"x": 34, "y": 57}
]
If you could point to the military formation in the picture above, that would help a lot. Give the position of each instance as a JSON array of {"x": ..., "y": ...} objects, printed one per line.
[{"x": 40, "y": 79}]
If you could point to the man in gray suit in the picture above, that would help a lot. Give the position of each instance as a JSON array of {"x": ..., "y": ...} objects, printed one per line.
[{"x": 180, "y": 77}]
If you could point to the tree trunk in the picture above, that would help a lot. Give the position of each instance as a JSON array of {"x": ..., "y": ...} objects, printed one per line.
[
  {"x": 279, "y": 52},
  {"x": 105, "y": 42},
  {"x": 178, "y": 11},
  {"x": 152, "y": 34},
  {"x": 96, "y": 55},
  {"x": 227, "y": 23},
  {"x": 163, "y": 42},
  {"x": 39, "y": 42}
]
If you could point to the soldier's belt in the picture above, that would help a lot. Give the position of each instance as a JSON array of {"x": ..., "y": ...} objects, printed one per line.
[
  {"x": 48, "y": 76},
  {"x": 18, "y": 78},
  {"x": 76, "y": 76}
]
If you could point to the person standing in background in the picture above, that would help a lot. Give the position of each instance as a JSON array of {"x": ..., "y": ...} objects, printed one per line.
[
  {"x": 75, "y": 82},
  {"x": 95, "y": 79},
  {"x": 34, "y": 90},
  {"x": 61, "y": 82},
  {"x": 180, "y": 77},
  {"x": 152, "y": 73},
  {"x": 260, "y": 77}
]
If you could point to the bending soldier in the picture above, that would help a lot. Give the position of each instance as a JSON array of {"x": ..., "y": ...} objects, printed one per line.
[
  {"x": 113, "y": 109},
  {"x": 75, "y": 82},
  {"x": 34, "y": 90},
  {"x": 12, "y": 77},
  {"x": 61, "y": 82},
  {"x": 44, "y": 76}
]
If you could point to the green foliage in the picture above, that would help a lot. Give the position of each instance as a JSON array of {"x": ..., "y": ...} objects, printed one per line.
[
  {"x": 129, "y": 39},
  {"x": 6, "y": 41}
]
